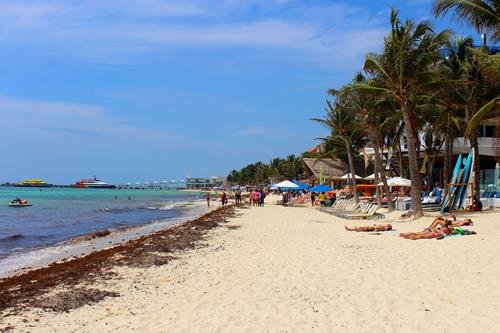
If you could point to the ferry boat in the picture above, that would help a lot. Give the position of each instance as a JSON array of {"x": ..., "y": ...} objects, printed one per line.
[
  {"x": 92, "y": 183},
  {"x": 33, "y": 183}
]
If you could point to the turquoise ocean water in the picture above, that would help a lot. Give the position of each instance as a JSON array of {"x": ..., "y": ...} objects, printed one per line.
[{"x": 59, "y": 214}]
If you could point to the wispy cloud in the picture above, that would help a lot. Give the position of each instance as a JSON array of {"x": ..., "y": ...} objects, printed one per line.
[
  {"x": 118, "y": 31},
  {"x": 56, "y": 126}
]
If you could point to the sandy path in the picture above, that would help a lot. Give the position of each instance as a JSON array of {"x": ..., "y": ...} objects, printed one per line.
[{"x": 296, "y": 270}]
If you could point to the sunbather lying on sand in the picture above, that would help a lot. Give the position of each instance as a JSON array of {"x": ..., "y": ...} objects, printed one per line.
[
  {"x": 374, "y": 227},
  {"x": 438, "y": 228},
  {"x": 441, "y": 222},
  {"x": 427, "y": 235},
  {"x": 460, "y": 223}
]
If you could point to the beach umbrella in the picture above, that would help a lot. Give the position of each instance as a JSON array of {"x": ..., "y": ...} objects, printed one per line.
[
  {"x": 321, "y": 188},
  {"x": 301, "y": 185},
  {"x": 348, "y": 176},
  {"x": 397, "y": 181},
  {"x": 370, "y": 177},
  {"x": 286, "y": 185}
]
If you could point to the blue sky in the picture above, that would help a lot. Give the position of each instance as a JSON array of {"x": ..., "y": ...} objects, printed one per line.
[{"x": 144, "y": 90}]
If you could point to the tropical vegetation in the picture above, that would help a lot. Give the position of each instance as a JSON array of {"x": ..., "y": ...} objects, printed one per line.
[
  {"x": 420, "y": 92},
  {"x": 261, "y": 173},
  {"x": 408, "y": 103}
]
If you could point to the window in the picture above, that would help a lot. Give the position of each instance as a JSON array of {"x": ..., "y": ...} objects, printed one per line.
[{"x": 489, "y": 131}]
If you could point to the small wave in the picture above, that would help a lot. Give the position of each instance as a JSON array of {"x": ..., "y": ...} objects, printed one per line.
[
  {"x": 12, "y": 238},
  {"x": 114, "y": 210}
]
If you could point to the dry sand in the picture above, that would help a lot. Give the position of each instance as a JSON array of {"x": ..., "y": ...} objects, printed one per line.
[{"x": 298, "y": 270}]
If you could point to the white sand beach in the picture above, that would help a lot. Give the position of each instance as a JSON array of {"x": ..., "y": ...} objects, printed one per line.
[{"x": 287, "y": 269}]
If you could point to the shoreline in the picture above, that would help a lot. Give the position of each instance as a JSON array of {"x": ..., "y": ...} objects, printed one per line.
[
  {"x": 84, "y": 244},
  {"x": 19, "y": 288},
  {"x": 74, "y": 269}
]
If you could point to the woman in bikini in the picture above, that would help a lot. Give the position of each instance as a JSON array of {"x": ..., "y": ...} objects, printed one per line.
[
  {"x": 429, "y": 233},
  {"x": 382, "y": 227}
]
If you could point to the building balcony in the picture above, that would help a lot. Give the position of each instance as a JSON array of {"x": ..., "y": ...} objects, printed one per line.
[{"x": 487, "y": 146}]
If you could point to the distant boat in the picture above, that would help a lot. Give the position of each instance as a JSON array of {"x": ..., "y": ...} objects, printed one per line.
[
  {"x": 92, "y": 183},
  {"x": 33, "y": 183}
]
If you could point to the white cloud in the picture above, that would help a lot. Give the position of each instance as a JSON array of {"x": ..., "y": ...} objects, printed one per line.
[{"x": 115, "y": 31}]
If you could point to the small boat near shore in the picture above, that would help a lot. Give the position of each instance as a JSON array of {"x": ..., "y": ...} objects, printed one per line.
[
  {"x": 92, "y": 183},
  {"x": 17, "y": 203}
]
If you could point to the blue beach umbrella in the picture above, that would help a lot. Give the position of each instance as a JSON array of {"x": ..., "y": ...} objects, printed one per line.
[
  {"x": 321, "y": 188},
  {"x": 300, "y": 185}
]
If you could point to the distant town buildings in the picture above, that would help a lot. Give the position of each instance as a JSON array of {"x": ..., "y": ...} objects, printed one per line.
[{"x": 204, "y": 183}]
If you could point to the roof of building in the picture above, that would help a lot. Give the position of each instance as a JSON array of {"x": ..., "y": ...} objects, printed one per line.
[{"x": 332, "y": 168}]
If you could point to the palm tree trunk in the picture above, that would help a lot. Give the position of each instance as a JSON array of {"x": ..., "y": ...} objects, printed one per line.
[
  {"x": 473, "y": 143},
  {"x": 447, "y": 160},
  {"x": 416, "y": 182},
  {"x": 378, "y": 195},
  {"x": 381, "y": 169},
  {"x": 431, "y": 165},
  {"x": 477, "y": 169},
  {"x": 352, "y": 169},
  {"x": 400, "y": 158}
]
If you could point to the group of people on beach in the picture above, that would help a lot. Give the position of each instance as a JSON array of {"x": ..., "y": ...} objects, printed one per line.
[
  {"x": 438, "y": 229},
  {"x": 223, "y": 199},
  {"x": 257, "y": 198}
]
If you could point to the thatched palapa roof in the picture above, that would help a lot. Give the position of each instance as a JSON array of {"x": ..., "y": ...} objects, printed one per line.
[{"x": 332, "y": 168}]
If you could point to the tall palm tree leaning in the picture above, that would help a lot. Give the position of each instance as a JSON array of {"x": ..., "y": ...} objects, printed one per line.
[
  {"x": 404, "y": 71},
  {"x": 484, "y": 15},
  {"x": 344, "y": 126}
]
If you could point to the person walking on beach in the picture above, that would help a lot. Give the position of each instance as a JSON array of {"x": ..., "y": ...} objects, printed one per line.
[
  {"x": 208, "y": 200},
  {"x": 322, "y": 199},
  {"x": 237, "y": 196},
  {"x": 262, "y": 197},
  {"x": 313, "y": 198},
  {"x": 223, "y": 198}
]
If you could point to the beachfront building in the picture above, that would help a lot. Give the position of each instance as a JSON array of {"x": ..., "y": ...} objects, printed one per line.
[
  {"x": 199, "y": 183},
  {"x": 332, "y": 170},
  {"x": 489, "y": 156}
]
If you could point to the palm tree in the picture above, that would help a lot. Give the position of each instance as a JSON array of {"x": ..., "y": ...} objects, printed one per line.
[
  {"x": 404, "y": 71},
  {"x": 344, "y": 126},
  {"x": 446, "y": 111},
  {"x": 364, "y": 103},
  {"x": 483, "y": 15},
  {"x": 490, "y": 69},
  {"x": 277, "y": 168}
]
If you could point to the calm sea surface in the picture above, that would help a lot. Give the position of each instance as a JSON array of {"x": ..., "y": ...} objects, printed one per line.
[{"x": 59, "y": 214}]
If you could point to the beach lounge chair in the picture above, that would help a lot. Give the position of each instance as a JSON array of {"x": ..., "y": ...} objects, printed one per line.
[
  {"x": 370, "y": 213},
  {"x": 298, "y": 202}
]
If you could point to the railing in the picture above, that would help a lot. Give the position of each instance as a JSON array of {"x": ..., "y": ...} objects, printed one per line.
[{"x": 487, "y": 146}]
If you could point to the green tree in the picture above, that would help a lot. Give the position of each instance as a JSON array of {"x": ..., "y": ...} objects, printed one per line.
[
  {"x": 404, "y": 71},
  {"x": 344, "y": 126},
  {"x": 373, "y": 119},
  {"x": 483, "y": 15}
]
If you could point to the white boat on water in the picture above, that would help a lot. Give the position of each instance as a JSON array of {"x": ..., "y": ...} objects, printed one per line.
[{"x": 92, "y": 183}]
